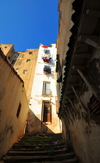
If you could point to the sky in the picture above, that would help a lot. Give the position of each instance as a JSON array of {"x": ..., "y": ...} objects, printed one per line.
[{"x": 27, "y": 23}]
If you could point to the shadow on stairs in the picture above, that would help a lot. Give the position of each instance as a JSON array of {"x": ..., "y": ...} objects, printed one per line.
[{"x": 40, "y": 148}]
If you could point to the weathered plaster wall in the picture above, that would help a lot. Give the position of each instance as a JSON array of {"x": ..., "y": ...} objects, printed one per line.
[
  {"x": 64, "y": 33},
  {"x": 85, "y": 126},
  {"x": 29, "y": 67},
  {"x": 8, "y": 49},
  {"x": 65, "y": 24},
  {"x": 12, "y": 93}
]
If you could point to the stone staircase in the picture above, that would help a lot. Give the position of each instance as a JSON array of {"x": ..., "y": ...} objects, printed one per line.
[{"x": 42, "y": 148}]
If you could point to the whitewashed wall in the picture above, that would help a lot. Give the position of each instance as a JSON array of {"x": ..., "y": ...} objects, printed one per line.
[{"x": 36, "y": 94}]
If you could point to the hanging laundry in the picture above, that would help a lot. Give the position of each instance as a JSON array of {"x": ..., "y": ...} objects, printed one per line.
[
  {"x": 45, "y": 46},
  {"x": 47, "y": 69}
]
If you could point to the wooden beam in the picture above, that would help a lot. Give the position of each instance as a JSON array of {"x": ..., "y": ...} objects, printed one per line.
[
  {"x": 89, "y": 84},
  {"x": 93, "y": 13},
  {"x": 93, "y": 43},
  {"x": 70, "y": 96},
  {"x": 69, "y": 115},
  {"x": 78, "y": 98},
  {"x": 83, "y": 55},
  {"x": 66, "y": 116},
  {"x": 75, "y": 67},
  {"x": 73, "y": 83},
  {"x": 74, "y": 76},
  {"x": 72, "y": 105},
  {"x": 91, "y": 37},
  {"x": 90, "y": 40}
]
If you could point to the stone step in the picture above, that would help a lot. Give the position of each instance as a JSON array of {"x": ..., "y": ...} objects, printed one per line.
[
  {"x": 57, "y": 136},
  {"x": 36, "y": 148},
  {"x": 45, "y": 138},
  {"x": 35, "y": 153},
  {"x": 16, "y": 159},
  {"x": 39, "y": 140},
  {"x": 73, "y": 160},
  {"x": 40, "y": 144}
]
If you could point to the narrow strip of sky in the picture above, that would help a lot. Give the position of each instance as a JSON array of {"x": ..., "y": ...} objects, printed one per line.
[{"x": 27, "y": 23}]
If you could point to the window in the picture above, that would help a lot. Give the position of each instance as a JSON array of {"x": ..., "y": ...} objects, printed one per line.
[
  {"x": 17, "y": 69},
  {"x": 16, "y": 55},
  {"x": 13, "y": 62},
  {"x": 9, "y": 57},
  {"x": 18, "y": 111},
  {"x": 48, "y": 59},
  {"x": 46, "y": 88},
  {"x": 22, "y": 55},
  {"x": 28, "y": 60},
  {"x": 24, "y": 71},
  {"x": 5, "y": 46},
  {"x": 47, "y": 51},
  {"x": 47, "y": 69},
  {"x": 30, "y": 53},
  {"x": 46, "y": 111},
  {"x": 19, "y": 62}
]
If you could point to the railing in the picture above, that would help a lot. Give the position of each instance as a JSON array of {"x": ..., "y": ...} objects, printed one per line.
[{"x": 47, "y": 92}]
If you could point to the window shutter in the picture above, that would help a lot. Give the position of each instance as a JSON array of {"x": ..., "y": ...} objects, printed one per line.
[
  {"x": 44, "y": 87},
  {"x": 47, "y": 88}
]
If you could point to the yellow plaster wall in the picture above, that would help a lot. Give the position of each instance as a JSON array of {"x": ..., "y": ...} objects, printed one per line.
[
  {"x": 30, "y": 67},
  {"x": 12, "y": 93}
]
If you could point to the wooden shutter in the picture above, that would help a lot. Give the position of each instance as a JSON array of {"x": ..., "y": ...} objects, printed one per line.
[
  {"x": 44, "y": 88},
  {"x": 47, "y": 88}
]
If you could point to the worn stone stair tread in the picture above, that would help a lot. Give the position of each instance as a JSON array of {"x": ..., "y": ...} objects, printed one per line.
[
  {"x": 73, "y": 160},
  {"x": 38, "y": 158},
  {"x": 30, "y": 153},
  {"x": 25, "y": 144},
  {"x": 38, "y": 141},
  {"x": 57, "y": 136},
  {"x": 33, "y": 148},
  {"x": 40, "y": 137}
]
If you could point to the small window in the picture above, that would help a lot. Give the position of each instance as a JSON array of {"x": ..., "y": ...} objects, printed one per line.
[
  {"x": 47, "y": 51},
  {"x": 13, "y": 62},
  {"x": 22, "y": 55},
  {"x": 9, "y": 57},
  {"x": 48, "y": 59},
  {"x": 46, "y": 88},
  {"x": 19, "y": 62},
  {"x": 30, "y": 53},
  {"x": 24, "y": 71},
  {"x": 18, "y": 110},
  {"x": 5, "y": 46},
  {"x": 16, "y": 55},
  {"x": 47, "y": 70},
  {"x": 28, "y": 60},
  {"x": 17, "y": 69}
]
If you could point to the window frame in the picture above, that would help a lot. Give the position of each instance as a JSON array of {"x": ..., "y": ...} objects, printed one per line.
[
  {"x": 44, "y": 88},
  {"x": 46, "y": 51},
  {"x": 24, "y": 71},
  {"x": 30, "y": 53},
  {"x": 43, "y": 112},
  {"x": 28, "y": 60}
]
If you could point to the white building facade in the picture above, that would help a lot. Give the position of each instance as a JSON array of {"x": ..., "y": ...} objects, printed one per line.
[{"x": 43, "y": 103}]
